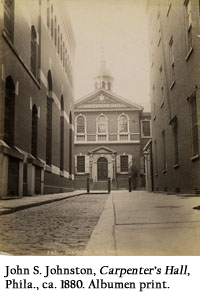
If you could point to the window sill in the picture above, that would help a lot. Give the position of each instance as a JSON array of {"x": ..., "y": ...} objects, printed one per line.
[
  {"x": 81, "y": 173},
  {"x": 189, "y": 54},
  {"x": 172, "y": 85},
  {"x": 176, "y": 166},
  {"x": 123, "y": 173},
  {"x": 195, "y": 157}
]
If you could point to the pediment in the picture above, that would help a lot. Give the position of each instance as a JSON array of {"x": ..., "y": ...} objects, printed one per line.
[
  {"x": 103, "y": 99},
  {"x": 102, "y": 150}
]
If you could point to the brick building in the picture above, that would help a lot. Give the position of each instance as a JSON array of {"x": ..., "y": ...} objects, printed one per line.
[
  {"x": 36, "y": 98},
  {"x": 174, "y": 91},
  {"x": 109, "y": 135}
]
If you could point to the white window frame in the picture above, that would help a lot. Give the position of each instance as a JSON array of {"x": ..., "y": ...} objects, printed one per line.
[
  {"x": 126, "y": 132},
  {"x": 101, "y": 133},
  {"x": 142, "y": 133},
  {"x": 81, "y": 133}
]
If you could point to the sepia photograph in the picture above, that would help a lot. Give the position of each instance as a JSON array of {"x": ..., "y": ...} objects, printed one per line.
[{"x": 100, "y": 128}]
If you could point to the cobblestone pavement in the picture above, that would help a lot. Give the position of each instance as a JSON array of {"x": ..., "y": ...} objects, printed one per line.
[{"x": 59, "y": 228}]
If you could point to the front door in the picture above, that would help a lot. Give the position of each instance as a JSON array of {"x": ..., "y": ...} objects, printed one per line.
[{"x": 102, "y": 167}]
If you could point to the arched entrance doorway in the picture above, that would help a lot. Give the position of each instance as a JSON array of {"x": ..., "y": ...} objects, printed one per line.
[{"x": 102, "y": 169}]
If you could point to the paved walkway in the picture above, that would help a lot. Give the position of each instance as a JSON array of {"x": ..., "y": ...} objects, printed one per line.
[
  {"x": 147, "y": 224},
  {"x": 12, "y": 205}
]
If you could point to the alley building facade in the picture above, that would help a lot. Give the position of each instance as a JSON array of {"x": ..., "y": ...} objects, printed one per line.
[
  {"x": 36, "y": 98},
  {"x": 109, "y": 133},
  {"x": 174, "y": 93}
]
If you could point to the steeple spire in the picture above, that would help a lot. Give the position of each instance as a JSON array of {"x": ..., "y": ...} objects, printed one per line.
[{"x": 103, "y": 79}]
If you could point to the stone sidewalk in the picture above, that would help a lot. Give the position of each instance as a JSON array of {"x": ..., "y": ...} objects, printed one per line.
[
  {"x": 8, "y": 206},
  {"x": 147, "y": 224}
]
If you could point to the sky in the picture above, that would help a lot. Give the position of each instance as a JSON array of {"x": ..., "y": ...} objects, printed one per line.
[{"x": 118, "y": 29}]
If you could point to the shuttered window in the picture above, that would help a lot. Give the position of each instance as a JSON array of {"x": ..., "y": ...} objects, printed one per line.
[
  {"x": 81, "y": 164},
  {"x": 9, "y": 18},
  {"x": 146, "y": 129},
  {"x": 124, "y": 163}
]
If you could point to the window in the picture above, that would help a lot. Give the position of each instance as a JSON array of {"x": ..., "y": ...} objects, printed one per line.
[
  {"x": 188, "y": 22},
  {"x": 33, "y": 51},
  {"x": 58, "y": 39},
  {"x": 159, "y": 29},
  {"x": 194, "y": 124},
  {"x": 81, "y": 164},
  {"x": 34, "y": 131},
  {"x": 62, "y": 135},
  {"x": 61, "y": 49},
  {"x": 164, "y": 150},
  {"x": 9, "y": 112},
  {"x": 49, "y": 122},
  {"x": 124, "y": 163},
  {"x": 123, "y": 127},
  {"x": 52, "y": 27},
  {"x": 175, "y": 137},
  {"x": 109, "y": 86},
  {"x": 103, "y": 85},
  {"x": 48, "y": 13},
  {"x": 102, "y": 127},
  {"x": 80, "y": 128},
  {"x": 171, "y": 62},
  {"x": 145, "y": 128},
  {"x": 55, "y": 36},
  {"x": 9, "y": 18}
]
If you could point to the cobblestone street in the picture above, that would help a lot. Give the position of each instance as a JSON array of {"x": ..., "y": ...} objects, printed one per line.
[{"x": 58, "y": 228}]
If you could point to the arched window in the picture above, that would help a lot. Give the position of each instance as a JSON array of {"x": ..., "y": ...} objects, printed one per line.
[
  {"x": 33, "y": 51},
  {"x": 80, "y": 128},
  {"x": 102, "y": 127},
  {"x": 9, "y": 18},
  {"x": 62, "y": 135},
  {"x": 34, "y": 134},
  {"x": 9, "y": 112},
  {"x": 49, "y": 122},
  {"x": 103, "y": 85},
  {"x": 123, "y": 127}
]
